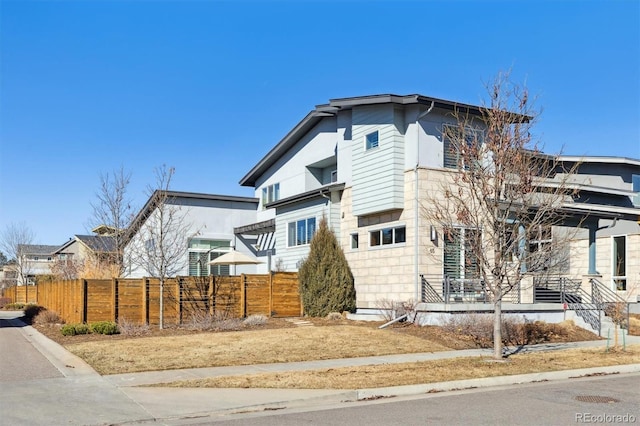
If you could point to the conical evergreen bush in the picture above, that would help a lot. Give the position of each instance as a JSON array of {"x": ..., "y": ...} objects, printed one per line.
[{"x": 326, "y": 281}]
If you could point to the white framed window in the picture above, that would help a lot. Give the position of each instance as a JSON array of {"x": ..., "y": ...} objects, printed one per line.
[
  {"x": 203, "y": 251},
  {"x": 452, "y": 142},
  {"x": 371, "y": 140},
  {"x": 300, "y": 232},
  {"x": 540, "y": 238},
  {"x": 388, "y": 236},
  {"x": 619, "y": 257},
  {"x": 270, "y": 194}
]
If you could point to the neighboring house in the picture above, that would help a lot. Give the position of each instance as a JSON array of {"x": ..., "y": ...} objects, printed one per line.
[
  {"x": 8, "y": 276},
  {"x": 366, "y": 164},
  {"x": 86, "y": 255},
  {"x": 35, "y": 260},
  {"x": 207, "y": 223}
]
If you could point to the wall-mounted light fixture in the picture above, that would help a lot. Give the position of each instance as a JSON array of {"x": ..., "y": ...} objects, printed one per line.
[{"x": 433, "y": 234}]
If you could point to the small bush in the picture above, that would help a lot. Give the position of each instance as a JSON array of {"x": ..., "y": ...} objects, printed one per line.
[
  {"x": 218, "y": 321},
  {"x": 253, "y": 320},
  {"x": 104, "y": 327},
  {"x": 74, "y": 329},
  {"x": 68, "y": 330},
  {"x": 334, "y": 316},
  {"x": 17, "y": 306},
  {"x": 46, "y": 317},
  {"x": 30, "y": 312},
  {"x": 129, "y": 328}
]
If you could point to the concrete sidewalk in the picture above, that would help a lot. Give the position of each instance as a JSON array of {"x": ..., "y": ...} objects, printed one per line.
[{"x": 128, "y": 401}]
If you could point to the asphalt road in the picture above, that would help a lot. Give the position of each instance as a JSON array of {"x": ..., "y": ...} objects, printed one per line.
[
  {"x": 20, "y": 360},
  {"x": 553, "y": 403}
]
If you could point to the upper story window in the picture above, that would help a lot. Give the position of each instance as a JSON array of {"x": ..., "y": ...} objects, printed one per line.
[
  {"x": 387, "y": 236},
  {"x": 270, "y": 194},
  {"x": 371, "y": 140},
  {"x": 635, "y": 187},
  {"x": 455, "y": 139},
  {"x": 301, "y": 232}
]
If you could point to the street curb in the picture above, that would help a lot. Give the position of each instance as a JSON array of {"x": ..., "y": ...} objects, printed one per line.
[
  {"x": 67, "y": 363},
  {"x": 486, "y": 382}
]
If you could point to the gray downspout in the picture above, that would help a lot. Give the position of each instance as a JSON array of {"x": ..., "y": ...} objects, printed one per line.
[
  {"x": 416, "y": 223},
  {"x": 329, "y": 208}
]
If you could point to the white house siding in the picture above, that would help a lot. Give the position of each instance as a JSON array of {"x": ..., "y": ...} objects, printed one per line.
[
  {"x": 211, "y": 220},
  {"x": 378, "y": 173},
  {"x": 345, "y": 150},
  {"x": 289, "y": 257},
  {"x": 290, "y": 171}
]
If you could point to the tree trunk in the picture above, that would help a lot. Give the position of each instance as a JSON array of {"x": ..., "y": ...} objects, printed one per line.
[
  {"x": 497, "y": 329},
  {"x": 161, "y": 303}
]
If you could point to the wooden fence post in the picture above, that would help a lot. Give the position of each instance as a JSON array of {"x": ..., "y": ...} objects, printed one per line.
[
  {"x": 210, "y": 294},
  {"x": 145, "y": 301},
  {"x": 114, "y": 299},
  {"x": 179, "y": 299},
  {"x": 243, "y": 294},
  {"x": 85, "y": 301},
  {"x": 271, "y": 293}
]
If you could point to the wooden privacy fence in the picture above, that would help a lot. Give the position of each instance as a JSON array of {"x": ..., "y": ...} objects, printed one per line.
[{"x": 138, "y": 300}]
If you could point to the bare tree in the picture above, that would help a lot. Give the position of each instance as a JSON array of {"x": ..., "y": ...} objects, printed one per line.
[
  {"x": 113, "y": 209},
  {"x": 161, "y": 242},
  {"x": 13, "y": 241},
  {"x": 502, "y": 198}
]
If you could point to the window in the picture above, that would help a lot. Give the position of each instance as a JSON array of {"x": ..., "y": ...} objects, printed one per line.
[
  {"x": 334, "y": 176},
  {"x": 301, "y": 232},
  {"x": 460, "y": 246},
  {"x": 454, "y": 139},
  {"x": 371, "y": 140},
  {"x": 620, "y": 262},
  {"x": 354, "y": 241},
  {"x": 202, "y": 251},
  {"x": 270, "y": 194},
  {"x": 387, "y": 236},
  {"x": 635, "y": 187},
  {"x": 539, "y": 238}
]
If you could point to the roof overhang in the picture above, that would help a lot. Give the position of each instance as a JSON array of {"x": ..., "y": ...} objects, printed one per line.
[
  {"x": 342, "y": 104},
  {"x": 309, "y": 195},
  {"x": 256, "y": 228}
]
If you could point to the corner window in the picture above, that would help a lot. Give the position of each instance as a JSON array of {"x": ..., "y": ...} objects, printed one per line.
[
  {"x": 388, "y": 236},
  {"x": 455, "y": 139},
  {"x": 635, "y": 187},
  {"x": 301, "y": 232},
  {"x": 354, "y": 241},
  {"x": 270, "y": 194},
  {"x": 371, "y": 140}
]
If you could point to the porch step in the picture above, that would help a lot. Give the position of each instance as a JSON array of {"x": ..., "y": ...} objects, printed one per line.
[{"x": 299, "y": 322}]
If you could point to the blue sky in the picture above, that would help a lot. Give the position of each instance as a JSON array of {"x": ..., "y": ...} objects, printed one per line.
[{"x": 209, "y": 87}]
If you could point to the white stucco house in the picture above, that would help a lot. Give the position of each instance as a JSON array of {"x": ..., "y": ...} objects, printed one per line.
[
  {"x": 206, "y": 225},
  {"x": 367, "y": 163}
]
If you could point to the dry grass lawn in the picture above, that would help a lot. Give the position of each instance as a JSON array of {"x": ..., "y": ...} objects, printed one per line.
[
  {"x": 422, "y": 372},
  {"x": 246, "y": 347}
]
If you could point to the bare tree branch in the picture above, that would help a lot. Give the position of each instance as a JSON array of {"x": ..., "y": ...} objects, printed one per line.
[
  {"x": 13, "y": 242},
  {"x": 501, "y": 195}
]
